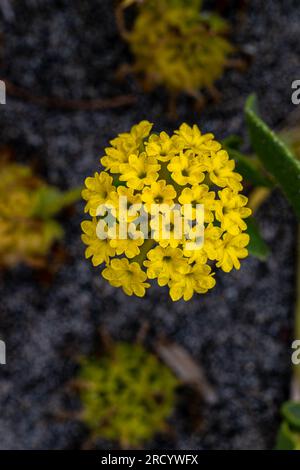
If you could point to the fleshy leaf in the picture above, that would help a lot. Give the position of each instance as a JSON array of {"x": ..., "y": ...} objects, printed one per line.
[
  {"x": 233, "y": 141},
  {"x": 257, "y": 246},
  {"x": 249, "y": 169},
  {"x": 291, "y": 412},
  {"x": 274, "y": 154},
  {"x": 286, "y": 439}
]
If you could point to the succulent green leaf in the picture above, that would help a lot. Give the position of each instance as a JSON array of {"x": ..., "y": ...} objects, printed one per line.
[
  {"x": 291, "y": 412},
  {"x": 233, "y": 141},
  {"x": 286, "y": 438},
  {"x": 249, "y": 169},
  {"x": 257, "y": 246},
  {"x": 276, "y": 157}
]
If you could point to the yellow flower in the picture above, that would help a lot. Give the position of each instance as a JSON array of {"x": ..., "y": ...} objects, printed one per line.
[
  {"x": 167, "y": 228},
  {"x": 129, "y": 276},
  {"x": 165, "y": 264},
  {"x": 220, "y": 169},
  {"x": 129, "y": 246},
  {"x": 159, "y": 193},
  {"x": 139, "y": 170},
  {"x": 99, "y": 250},
  {"x": 194, "y": 256},
  {"x": 211, "y": 243},
  {"x": 132, "y": 199},
  {"x": 116, "y": 156},
  {"x": 118, "y": 153},
  {"x": 198, "y": 279},
  {"x": 185, "y": 169},
  {"x": 231, "y": 210},
  {"x": 199, "y": 194},
  {"x": 192, "y": 138},
  {"x": 125, "y": 145},
  {"x": 161, "y": 147},
  {"x": 98, "y": 189},
  {"x": 231, "y": 251},
  {"x": 140, "y": 131}
]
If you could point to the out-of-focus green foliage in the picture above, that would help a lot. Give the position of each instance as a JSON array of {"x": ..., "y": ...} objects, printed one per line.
[
  {"x": 289, "y": 433},
  {"x": 291, "y": 137},
  {"x": 177, "y": 46},
  {"x": 27, "y": 229},
  {"x": 276, "y": 157},
  {"x": 126, "y": 394},
  {"x": 257, "y": 246},
  {"x": 276, "y": 162},
  {"x": 249, "y": 168}
]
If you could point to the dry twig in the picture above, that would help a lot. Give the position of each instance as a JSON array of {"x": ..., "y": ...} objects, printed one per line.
[
  {"x": 61, "y": 103},
  {"x": 186, "y": 368}
]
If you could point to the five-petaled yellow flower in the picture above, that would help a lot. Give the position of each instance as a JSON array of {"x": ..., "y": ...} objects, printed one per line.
[
  {"x": 139, "y": 171},
  {"x": 159, "y": 193},
  {"x": 166, "y": 264},
  {"x": 152, "y": 236},
  {"x": 129, "y": 276}
]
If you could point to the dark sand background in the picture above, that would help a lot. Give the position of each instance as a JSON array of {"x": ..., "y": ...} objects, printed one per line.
[{"x": 240, "y": 332}]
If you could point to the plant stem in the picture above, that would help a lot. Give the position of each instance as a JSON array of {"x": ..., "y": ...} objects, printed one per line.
[
  {"x": 295, "y": 393},
  {"x": 68, "y": 104},
  {"x": 72, "y": 195},
  {"x": 257, "y": 197}
]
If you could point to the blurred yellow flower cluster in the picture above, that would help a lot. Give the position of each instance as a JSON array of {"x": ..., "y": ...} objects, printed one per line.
[
  {"x": 27, "y": 207},
  {"x": 170, "y": 172},
  {"x": 23, "y": 237},
  {"x": 178, "y": 46}
]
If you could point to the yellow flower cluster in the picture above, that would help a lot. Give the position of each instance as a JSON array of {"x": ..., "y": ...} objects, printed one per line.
[
  {"x": 177, "y": 46},
  {"x": 148, "y": 168},
  {"x": 25, "y": 236}
]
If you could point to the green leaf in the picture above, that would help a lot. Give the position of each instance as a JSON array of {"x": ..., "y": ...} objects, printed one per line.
[
  {"x": 248, "y": 168},
  {"x": 286, "y": 439},
  {"x": 233, "y": 141},
  {"x": 257, "y": 246},
  {"x": 274, "y": 154},
  {"x": 291, "y": 137},
  {"x": 291, "y": 411},
  {"x": 52, "y": 231},
  {"x": 51, "y": 200}
]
